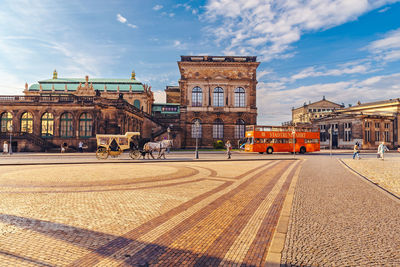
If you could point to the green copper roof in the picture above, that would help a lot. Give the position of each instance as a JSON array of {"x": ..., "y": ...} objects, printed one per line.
[
  {"x": 98, "y": 84},
  {"x": 91, "y": 80}
]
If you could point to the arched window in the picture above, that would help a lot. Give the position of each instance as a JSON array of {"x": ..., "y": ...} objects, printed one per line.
[
  {"x": 85, "y": 125},
  {"x": 197, "y": 97},
  {"x": 136, "y": 103},
  {"x": 218, "y": 129},
  {"x": 6, "y": 122},
  {"x": 196, "y": 130},
  {"x": 66, "y": 129},
  {"x": 47, "y": 125},
  {"x": 27, "y": 123},
  {"x": 218, "y": 97},
  {"x": 240, "y": 97},
  {"x": 240, "y": 129}
]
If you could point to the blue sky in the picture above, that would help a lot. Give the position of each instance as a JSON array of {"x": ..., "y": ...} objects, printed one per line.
[{"x": 345, "y": 50}]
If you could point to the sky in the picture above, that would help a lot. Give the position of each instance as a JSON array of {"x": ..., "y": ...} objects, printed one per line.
[{"x": 345, "y": 50}]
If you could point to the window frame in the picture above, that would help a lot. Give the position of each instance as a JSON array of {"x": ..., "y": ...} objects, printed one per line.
[
  {"x": 197, "y": 96},
  {"x": 218, "y": 97},
  {"x": 66, "y": 125},
  {"x": 48, "y": 122},
  {"x": 240, "y": 97}
]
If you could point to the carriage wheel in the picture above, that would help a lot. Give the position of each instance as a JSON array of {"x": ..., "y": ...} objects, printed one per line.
[
  {"x": 102, "y": 153},
  {"x": 134, "y": 154}
]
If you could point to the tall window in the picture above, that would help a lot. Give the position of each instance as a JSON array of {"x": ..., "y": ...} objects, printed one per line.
[
  {"x": 196, "y": 131},
  {"x": 136, "y": 103},
  {"x": 367, "y": 136},
  {"x": 85, "y": 125},
  {"x": 218, "y": 129},
  {"x": 66, "y": 129},
  {"x": 377, "y": 136},
  {"x": 347, "y": 131},
  {"x": 47, "y": 124},
  {"x": 239, "y": 129},
  {"x": 27, "y": 123},
  {"x": 197, "y": 97},
  {"x": 240, "y": 96},
  {"x": 218, "y": 97},
  {"x": 6, "y": 122},
  {"x": 387, "y": 136}
]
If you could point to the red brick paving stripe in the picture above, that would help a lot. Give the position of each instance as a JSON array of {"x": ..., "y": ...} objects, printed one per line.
[
  {"x": 257, "y": 252},
  {"x": 152, "y": 252},
  {"x": 216, "y": 252},
  {"x": 111, "y": 247}
]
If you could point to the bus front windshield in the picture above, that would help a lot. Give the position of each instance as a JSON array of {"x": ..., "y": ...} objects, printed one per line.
[{"x": 250, "y": 141}]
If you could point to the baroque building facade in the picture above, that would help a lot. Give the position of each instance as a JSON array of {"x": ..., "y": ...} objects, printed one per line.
[
  {"x": 368, "y": 124},
  {"x": 68, "y": 110},
  {"x": 312, "y": 111},
  {"x": 219, "y": 92}
]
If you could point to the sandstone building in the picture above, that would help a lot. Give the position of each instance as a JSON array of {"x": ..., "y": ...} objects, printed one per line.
[
  {"x": 220, "y": 93},
  {"x": 369, "y": 124},
  {"x": 66, "y": 110},
  {"x": 312, "y": 111}
]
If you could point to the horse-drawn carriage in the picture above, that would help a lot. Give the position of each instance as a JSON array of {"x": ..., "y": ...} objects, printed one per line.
[{"x": 114, "y": 145}]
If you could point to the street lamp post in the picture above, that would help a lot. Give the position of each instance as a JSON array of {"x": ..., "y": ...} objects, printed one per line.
[
  {"x": 294, "y": 144},
  {"x": 10, "y": 148},
  {"x": 168, "y": 131},
  {"x": 197, "y": 125},
  {"x": 330, "y": 139}
]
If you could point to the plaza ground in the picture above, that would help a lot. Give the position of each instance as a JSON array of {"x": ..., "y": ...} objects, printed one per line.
[{"x": 71, "y": 209}]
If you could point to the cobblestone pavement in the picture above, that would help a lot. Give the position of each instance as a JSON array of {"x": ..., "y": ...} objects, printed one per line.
[
  {"x": 169, "y": 214},
  {"x": 383, "y": 172},
  {"x": 339, "y": 219}
]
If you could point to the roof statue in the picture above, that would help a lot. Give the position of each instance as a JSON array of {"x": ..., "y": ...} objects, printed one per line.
[
  {"x": 54, "y": 74},
  {"x": 26, "y": 86},
  {"x": 133, "y": 77}
]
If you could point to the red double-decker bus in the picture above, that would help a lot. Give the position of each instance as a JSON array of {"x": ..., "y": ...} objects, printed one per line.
[{"x": 270, "y": 139}]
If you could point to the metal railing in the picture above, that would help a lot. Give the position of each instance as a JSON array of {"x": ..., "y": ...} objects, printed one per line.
[{"x": 45, "y": 99}]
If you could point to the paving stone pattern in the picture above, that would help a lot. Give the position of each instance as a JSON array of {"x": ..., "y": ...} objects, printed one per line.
[
  {"x": 169, "y": 214},
  {"x": 338, "y": 219}
]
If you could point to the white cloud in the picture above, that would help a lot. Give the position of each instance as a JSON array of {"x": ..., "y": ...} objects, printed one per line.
[
  {"x": 313, "y": 72},
  {"x": 124, "y": 20},
  {"x": 270, "y": 27},
  {"x": 386, "y": 49},
  {"x": 121, "y": 18},
  {"x": 157, "y": 7},
  {"x": 275, "y": 100},
  {"x": 384, "y": 10},
  {"x": 179, "y": 45},
  {"x": 132, "y": 26},
  {"x": 171, "y": 15}
]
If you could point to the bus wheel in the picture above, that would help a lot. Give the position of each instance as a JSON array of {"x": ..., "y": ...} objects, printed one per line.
[
  {"x": 302, "y": 150},
  {"x": 260, "y": 152},
  {"x": 270, "y": 150}
]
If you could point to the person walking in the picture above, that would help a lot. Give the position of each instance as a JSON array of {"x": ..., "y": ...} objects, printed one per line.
[
  {"x": 80, "y": 146},
  {"x": 381, "y": 150},
  {"x": 356, "y": 151},
  {"x": 5, "y": 147},
  {"x": 228, "y": 148}
]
